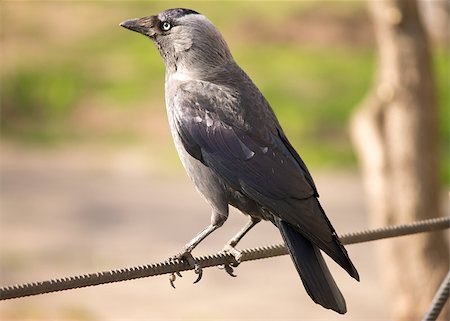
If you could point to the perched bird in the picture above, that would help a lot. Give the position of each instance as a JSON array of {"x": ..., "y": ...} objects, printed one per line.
[{"x": 235, "y": 151}]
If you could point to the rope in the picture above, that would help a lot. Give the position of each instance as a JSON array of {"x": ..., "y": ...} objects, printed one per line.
[
  {"x": 67, "y": 283},
  {"x": 439, "y": 300}
]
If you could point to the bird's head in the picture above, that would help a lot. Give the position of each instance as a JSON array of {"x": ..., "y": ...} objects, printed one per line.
[{"x": 185, "y": 39}]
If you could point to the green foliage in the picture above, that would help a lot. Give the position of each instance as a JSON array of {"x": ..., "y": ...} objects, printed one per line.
[
  {"x": 40, "y": 92},
  {"x": 442, "y": 71}
]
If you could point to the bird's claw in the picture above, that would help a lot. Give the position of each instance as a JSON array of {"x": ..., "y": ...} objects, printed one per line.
[
  {"x": 199, "y": 271},
  {"x": 186, "y": 257},
  {"x": 172, "y": 278},
  {"x": 192, "y": 262},
  {"x": 229, "y": 269},
  {"x": 229, "y": 249}
]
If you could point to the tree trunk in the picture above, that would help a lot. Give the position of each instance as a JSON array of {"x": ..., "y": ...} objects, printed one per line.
[{"x": 395, "y": 132}]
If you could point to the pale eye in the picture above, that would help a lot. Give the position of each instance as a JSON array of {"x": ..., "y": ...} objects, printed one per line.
[{"x": 165, "y": 26}]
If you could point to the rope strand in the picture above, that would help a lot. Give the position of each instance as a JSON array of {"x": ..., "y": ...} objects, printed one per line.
[
  {"x": 439, "y": 300},
  {"x": 35, "y": 288}
]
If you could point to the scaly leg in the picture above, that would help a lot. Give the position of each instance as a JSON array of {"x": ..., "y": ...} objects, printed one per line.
[
  {"x": 186, "y": 255},
  {"x": 230, "y": 247}
]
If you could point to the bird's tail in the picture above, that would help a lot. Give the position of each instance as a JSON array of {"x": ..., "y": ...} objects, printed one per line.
[{"x": 312, "y": 268}]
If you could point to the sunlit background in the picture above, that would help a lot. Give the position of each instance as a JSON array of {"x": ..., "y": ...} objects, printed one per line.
[{"x": 90, "y": 179}]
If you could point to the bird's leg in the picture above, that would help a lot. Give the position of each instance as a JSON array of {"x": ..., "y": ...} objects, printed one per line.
[
  {"x": 185, "y": 254},
  {"x": 230, "y": 247}
]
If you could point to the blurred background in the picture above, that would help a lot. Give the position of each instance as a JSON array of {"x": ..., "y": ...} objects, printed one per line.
[{"x": 90, "y": 179}]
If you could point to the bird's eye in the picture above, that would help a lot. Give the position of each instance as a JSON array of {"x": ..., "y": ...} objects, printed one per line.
[{"x": 165, "y": 26}]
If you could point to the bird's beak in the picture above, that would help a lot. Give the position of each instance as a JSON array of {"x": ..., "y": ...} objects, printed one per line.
[{"x": 142, "y": 25}]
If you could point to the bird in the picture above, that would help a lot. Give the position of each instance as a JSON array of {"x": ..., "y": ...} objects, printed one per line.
[{"x": 235, "y": 151}]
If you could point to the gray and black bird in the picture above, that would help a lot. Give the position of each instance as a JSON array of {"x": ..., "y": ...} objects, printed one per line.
[{"x": 235, "y": 151}]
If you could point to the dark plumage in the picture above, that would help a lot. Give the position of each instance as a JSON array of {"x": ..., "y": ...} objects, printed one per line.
[{"x": 235, "y": 151}]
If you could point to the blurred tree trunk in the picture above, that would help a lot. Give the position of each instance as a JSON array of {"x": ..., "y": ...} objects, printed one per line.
[{"x": 395, "y": 132}]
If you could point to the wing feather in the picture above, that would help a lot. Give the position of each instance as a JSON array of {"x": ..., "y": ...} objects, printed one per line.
[{"x": 238, "y": 157}]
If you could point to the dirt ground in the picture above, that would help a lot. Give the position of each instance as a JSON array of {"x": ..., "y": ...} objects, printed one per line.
[{"x": 68, "y": 212}]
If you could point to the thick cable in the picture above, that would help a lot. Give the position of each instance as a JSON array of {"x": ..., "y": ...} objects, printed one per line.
[
  {"x": 439, "y": 300},
  {"x": 167, "y": 267}
]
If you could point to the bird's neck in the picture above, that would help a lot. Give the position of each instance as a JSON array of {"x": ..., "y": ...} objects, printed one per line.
[
  {"x": 199, "y": 70},
  {"x": 200, "y": 61}
]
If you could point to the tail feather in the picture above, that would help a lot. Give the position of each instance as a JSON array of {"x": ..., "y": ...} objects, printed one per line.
[
  {"x": 335, "y": 249},
  {"x": 313, "y": 270}
]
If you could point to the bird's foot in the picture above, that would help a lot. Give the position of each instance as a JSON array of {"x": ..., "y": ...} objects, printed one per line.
[
  {"x": 229, "y": 268},
  {"x": 230, "y": 249},
  {"x": 185, "y": 256}
]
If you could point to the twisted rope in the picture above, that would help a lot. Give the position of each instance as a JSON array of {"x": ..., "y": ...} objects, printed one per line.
[
  {"x": 80, "y": 281},
  {"x": 439, "y": 300}
]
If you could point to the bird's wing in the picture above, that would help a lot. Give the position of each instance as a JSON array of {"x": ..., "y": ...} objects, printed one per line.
[
  {"x": 299, "y": 160},
  {"x": 260, "y": 163},
  {"x": 261, "y": 167}
]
